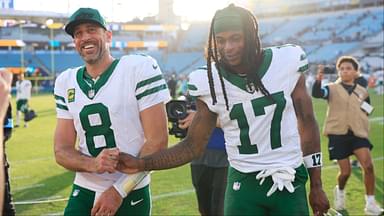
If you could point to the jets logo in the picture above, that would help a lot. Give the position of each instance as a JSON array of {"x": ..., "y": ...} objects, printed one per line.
[{"x": 71, "y": 95}]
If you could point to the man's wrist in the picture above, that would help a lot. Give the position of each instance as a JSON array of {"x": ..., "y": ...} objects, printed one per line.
[
  {"x": 143, "y": 165},
  {"x": 315, "y": 177},
  {"x": 119, "y": 192}
]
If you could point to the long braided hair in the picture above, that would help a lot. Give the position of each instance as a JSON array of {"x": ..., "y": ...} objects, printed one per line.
[{"x": 252, "y": 54}]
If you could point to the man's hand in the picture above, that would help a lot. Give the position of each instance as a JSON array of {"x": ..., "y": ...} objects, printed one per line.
[
  {"x": 318, "y": 201},
  {"x": 129, "y": 164},
  {"x": 5, "y": 88},
  {"x": 108, "y": 203},
  {"x": 187, "y": 121},
  {"x": 107, "y": 160}
]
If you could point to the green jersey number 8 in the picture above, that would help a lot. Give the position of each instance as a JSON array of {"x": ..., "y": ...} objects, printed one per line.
[
  {"x": 102, "y": 128},
  {"x": 258, "y": 106}
]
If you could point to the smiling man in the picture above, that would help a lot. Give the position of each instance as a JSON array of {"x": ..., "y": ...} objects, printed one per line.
[
  {"x": 111, "y": 106},
  {"x": 260, "y": 99}
]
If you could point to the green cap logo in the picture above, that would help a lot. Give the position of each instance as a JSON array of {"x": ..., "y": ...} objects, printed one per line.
[{"x": 84, "y": 15}]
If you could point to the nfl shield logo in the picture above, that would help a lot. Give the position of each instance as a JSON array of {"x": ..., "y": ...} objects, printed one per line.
[{"x": 236, "y": 186}]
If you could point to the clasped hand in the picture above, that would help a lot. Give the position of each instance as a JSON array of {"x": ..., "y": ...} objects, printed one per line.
[{"x": 111, "y": 160}]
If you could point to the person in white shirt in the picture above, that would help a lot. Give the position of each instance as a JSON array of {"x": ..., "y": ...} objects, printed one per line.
[{"x": 23, "y": 94}]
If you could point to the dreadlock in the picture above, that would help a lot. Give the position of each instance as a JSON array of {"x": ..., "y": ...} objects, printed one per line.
[{"x": 253, "y": 53}]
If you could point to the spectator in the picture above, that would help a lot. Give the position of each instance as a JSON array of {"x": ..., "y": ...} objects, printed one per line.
[
  {"x": 172, "y": 85},
  {"x": 347, "y": 127}
]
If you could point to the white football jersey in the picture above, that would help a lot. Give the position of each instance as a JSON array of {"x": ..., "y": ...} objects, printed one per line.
[
  {"x": 106, "y": 112},
  {"x": 260, "y": 132},
  {"x": 23, "y": 89}
]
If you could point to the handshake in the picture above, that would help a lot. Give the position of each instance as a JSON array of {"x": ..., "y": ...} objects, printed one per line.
[{"x": 111, "y": 160}]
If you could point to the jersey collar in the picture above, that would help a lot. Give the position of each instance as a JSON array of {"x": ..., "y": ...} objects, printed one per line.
[
  {"x": 240, "y": 81},
  {"x": 90, "y": 87}
]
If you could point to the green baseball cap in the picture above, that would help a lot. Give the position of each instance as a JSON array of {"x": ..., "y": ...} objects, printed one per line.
[{"x": 84, "y": 15}]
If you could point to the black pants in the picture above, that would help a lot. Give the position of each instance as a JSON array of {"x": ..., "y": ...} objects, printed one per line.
[
  {"x": 8, "y": 207},
  {"x": 210, "y": 184}
]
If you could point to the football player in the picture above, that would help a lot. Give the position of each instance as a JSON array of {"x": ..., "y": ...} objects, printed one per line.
[
  {"x": 260, "y": 99},
  {"x": 111, "y": 105},
  {"x": 23, "y": 94}
]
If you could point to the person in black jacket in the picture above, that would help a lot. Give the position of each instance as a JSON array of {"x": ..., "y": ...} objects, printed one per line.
[{"x": 8, "y": 207}]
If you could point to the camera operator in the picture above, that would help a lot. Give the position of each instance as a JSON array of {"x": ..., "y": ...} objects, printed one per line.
[
  {"x": 209, "y": 172},
  {"x": 347, "y": 128}
]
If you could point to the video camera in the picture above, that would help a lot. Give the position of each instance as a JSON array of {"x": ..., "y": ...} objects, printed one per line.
[
  {"x": 329, "y": 69},
  {"x": 177, "y": 110}
]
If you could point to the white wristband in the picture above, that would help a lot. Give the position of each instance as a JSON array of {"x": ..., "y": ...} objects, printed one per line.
[
  {"x": 313, "y": 160},
  {"x": 126, "y": 183}
]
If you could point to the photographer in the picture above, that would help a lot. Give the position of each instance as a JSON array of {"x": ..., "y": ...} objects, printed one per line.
[
  {"x": 209, "y": 171},
  {"x": 347, "y": 128}
]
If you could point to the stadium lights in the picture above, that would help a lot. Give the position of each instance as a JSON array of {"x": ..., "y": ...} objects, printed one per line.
[
  {"x": 49, "y": 23},
  {"x": 185, "y": 26},
  {"x": 52, "y": 26},
  {"x": 21, "y": 23}
]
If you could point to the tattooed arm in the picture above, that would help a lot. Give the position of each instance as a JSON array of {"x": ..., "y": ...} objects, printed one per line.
[
  {"x": 189, "y": 148},
  {"x": 310, "y": 143}
]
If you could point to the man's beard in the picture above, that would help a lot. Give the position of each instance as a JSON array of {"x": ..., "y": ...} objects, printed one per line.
[{"x": 94, "y": 58}]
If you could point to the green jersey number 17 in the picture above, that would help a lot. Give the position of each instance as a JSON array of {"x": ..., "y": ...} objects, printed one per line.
[{"x": 258, "y": 106}]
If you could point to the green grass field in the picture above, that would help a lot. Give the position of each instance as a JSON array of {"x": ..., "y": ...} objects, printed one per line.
[{"x": 40, "y": 186}]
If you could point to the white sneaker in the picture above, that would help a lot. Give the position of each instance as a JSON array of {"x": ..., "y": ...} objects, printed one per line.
[
  {"x": 373, "y": 209},
  {"x": 339, "y": 199}
]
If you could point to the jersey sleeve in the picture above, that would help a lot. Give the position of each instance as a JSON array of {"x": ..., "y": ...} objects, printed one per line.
[
  {"x": 198, "y": 83},
  {"x": 60, "y": 97},
  {"x": 296, "y": 63},
  {"x": 151, "y": 87},
  {"x": 302, "y": 60}
]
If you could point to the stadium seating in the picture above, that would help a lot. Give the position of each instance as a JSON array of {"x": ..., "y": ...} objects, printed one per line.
[{"x": 324, "y": 36}]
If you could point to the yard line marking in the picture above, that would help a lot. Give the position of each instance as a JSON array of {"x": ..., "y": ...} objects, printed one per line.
[
  {"x": 29, "y": 202},
  {"x": 29, "y": 187},
  {"x": 20, "y": 177},
  {"x": 30, "y": 160},
  {"x": 154, "y": 198},
  {"x": 160, "y": 196},
  {"x": 337, "y": 166},
  {"x": 54, "y": 214},
  {"x": 380, "y": 120}
]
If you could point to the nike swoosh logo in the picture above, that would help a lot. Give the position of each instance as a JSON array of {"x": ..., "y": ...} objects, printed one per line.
[
  {"x": 297, "y": 186},
  {"x": 133, "y": 203},
  {"x": 154, "y": 67}
]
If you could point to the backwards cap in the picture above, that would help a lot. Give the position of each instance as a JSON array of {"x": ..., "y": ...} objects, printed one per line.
[{"x": 84, "y": 15}]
